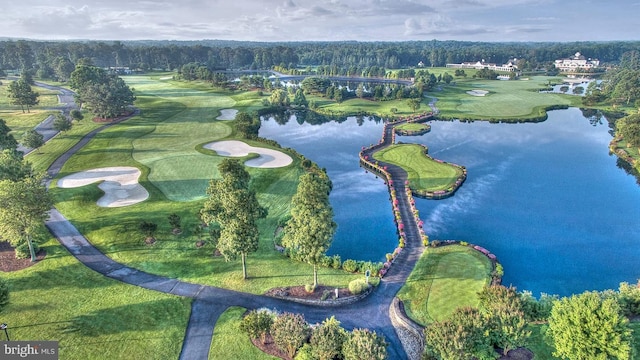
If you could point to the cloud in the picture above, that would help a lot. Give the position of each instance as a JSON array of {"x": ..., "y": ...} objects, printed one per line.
[{"x": 441, "y": 25}]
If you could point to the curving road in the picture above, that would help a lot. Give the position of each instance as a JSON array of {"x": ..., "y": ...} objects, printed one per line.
[{"x": 209, "y": 302}]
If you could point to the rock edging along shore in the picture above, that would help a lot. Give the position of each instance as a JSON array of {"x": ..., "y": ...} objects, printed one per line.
[{"x": 410, "y": 333}]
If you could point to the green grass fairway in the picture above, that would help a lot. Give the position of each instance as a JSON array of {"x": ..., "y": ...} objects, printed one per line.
[
  {"x": 229, "y": 342},
  {"x": 506, "y": 100},
  {"x": 444, "y": 279},
  {"x": 424, "y": 172},
  {"x": 176, "y": 118},
  {"x": 92, "y": 316},
  {"x": 412, "y": 127}
]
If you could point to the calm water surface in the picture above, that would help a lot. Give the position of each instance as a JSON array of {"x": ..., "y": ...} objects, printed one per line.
[{"x": 546, "y": 198}]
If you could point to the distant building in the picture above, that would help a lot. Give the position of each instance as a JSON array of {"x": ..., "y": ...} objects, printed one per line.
[
  {"x": 577, "y": 61},
  {"x": 479, "y": 65}
]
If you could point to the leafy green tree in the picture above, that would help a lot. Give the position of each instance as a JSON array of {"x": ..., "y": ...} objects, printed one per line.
[
  {"x": 289, "y": 332},
  {"x": 61, "y": 123},
  {"x": 360, "y": 90},
  {"x": 235, "y": 209},
  {"x": 21, "y": 93},
  {"x": 310, "y": 230},
  {"x": 4, "y": 294},
  {"x": 247, "y": 125},
  {"x": 62, "y": 68},
  {"x": 32, "y": 139},
  {"x": 629, "y": 128},
  {"x": 414, "y": 103},
  {"x": 299, "y": 99},
  {"x": 315, "y": 85},
  {"x": 257, "y": 324},
  {"x": 7, "y": 141},
  {"x": 364, "y": 344},
  {"x": 279, "y": 97},
  {"x": 25, "y": 206},
  {"x": 588, "y": 327},
  {"x": 105, "y": 94},
  {"x": 462, "y": 336},
  {"x": 327, "y": 339},
  {"x": 174, "y": 221},
  {"x": 503, "y": 308},
  {"x": 76, "y": 115},
  {"x": 148, "y": 228},
  {"x": 629, "y": 298},
  {"x": 13, "y": 167}
]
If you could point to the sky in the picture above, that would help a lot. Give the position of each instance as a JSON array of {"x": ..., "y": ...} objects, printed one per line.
[{"x": 322, "y": 20}]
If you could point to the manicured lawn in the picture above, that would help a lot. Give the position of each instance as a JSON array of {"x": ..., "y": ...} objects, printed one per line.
[
  {"x": 424, "y": 172},
  {"x": 505, "y": 100},
  {"x": 163, "y": 141},
  {"x": 444, "y": 279},
  {"x": 356, "y": 105},
  {"x": 92, "y": 316},
  {"x": 229, "y": 342}
]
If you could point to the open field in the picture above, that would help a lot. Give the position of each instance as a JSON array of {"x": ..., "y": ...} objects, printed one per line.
[
  {"x": 424, "y": 173},
  {"x": 444, "y": 279},
  {"x": 92, "y": 316},
  {"x": 164, "y": 142}
]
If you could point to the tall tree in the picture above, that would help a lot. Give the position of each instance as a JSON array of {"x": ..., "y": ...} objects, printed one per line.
[
  {"x": 310, "y": 230},
  {"x": 32, "y": 139},
  {"x": 414, "y": 103},
  {"x": 21, "y": 93},
  {"x": 327, "y": 339},
  {"x": 61, "y": 123},
  {"x": 503, "y": 309},
  {"x": 25, "y": 206},
  {"x": 235, "y": 209},
  {"x": 13, "y": 167},
  {"x": 107, "y": 95},
  {"x": 586, "y": 326},
  {"x": 7, "y": 141}
]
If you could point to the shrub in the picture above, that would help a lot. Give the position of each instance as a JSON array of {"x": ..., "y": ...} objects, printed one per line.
[
  {"x": 361, "y": 266},
  {"x": 257, "y": 324},
  {"x": 435, "y": 243},
  {"x": 358, "y": 286},
  {"x": 350, "y": 265},
  {"x": 309, "y": 288},
  {"x": 499, "y": 271},
  {"x": 325, "y": 295},
  {"x": 336, "y": 262},
  {"x": 389, "y": 257},
  {"x": 326, "y": 261},
  {"x": 364, "y": 344},
  {"x": 464, "y": 243},
  {"x": 305, "y": 353},
  {"x": 22, "y": 250},
  {"x": 174, "y": 221},
  {"x": 327, "y": 339},
  {"x": 4, "y": 294},
  {"x": 289, "y": 331}
]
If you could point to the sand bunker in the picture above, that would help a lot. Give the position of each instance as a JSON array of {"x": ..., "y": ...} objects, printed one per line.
[
  {"x": 267, "y": 158},
  {"x": 477, "y": 92},
  {"x": 227, "y": 114},
  {"x": 120, "y": 185}
]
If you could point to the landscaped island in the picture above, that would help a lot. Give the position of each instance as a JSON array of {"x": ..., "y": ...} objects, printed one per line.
[{"x": 428, "y": 177}]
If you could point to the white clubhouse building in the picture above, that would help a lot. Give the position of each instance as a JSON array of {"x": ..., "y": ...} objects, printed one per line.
[
  {"x": 479, "y": 65},
  {"x": 577, "y": 61}
]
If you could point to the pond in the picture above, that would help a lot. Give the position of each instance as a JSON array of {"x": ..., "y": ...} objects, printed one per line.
[{"x": 546, "y": 198}]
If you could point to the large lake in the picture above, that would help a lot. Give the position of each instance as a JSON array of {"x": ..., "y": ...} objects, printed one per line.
[{"x": 546, "y": 198}]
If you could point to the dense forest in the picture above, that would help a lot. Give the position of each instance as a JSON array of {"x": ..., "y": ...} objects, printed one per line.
[{"x": 54, "y": 58}]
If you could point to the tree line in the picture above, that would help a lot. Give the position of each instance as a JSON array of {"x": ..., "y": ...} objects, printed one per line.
[{"x": 57, "y": 59}]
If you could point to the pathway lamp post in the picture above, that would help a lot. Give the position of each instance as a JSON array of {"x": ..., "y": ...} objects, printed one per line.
[{"x": 4, "y": 327}]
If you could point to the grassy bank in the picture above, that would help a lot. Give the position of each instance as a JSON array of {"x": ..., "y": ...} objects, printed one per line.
[
  {"x": 175, "y": 119},
  {"x": 424, "y": 173},
  {"x": 444, "y": 279},
  {"x": 92, "y": 316}
]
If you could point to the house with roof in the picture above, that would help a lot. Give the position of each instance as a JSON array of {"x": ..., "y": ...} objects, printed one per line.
[
  {"x": 479, "y": 65},
  {"x": 576, "y": 62}
]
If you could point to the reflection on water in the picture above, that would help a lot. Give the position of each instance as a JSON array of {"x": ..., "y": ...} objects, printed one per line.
[{"x": 547, "y": 197}]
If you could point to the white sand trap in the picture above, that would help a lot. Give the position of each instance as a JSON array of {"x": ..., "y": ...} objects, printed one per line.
[
  {"x": 120, "y": 185},
  {"x": 267, "y": 158},
  {"x": 227, "y": 114},
  {"x": 477, "y": 92},
  {"x": 166, "y": 78}
]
